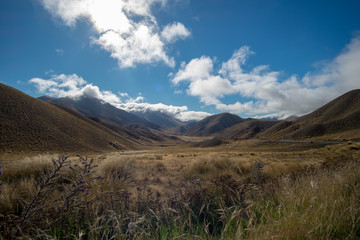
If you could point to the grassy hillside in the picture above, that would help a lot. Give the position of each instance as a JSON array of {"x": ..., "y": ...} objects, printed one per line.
[
  {"x": 31, "y": 125},
  {"x": 213, "y": 124},
  {"x": 338, "y": 119},
  {"x": 246, "y": 130}
]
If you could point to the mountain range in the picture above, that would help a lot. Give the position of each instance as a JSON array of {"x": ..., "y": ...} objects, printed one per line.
[
  {"x": 93, "y": 107},
  {"x": 28, "y": 124},
  {"x": 88, "y": 124},
  {"x": 338, "y": 119}
]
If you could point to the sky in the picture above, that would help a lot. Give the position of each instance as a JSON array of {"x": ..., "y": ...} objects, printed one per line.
[{"x": 186, "y": 58}]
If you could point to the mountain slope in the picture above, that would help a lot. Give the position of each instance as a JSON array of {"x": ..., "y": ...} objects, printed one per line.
[
  {"x": 246, "y": 130},
  {"x": 213, "y": 124},
  {"x": 28, "y": 124},
  {"x": 92, "y": 107},
  {"x": 334, "y": 118},
  {"x": 159, "y": 118}
]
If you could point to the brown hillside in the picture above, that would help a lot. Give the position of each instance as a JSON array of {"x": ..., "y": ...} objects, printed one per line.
[
  {"x": 333, "y": 119},
  {"x": 338, "y": 108},
  {"x": 246, "y": 130},
  {"x": 31, "y": 125},
  {"x": 213, "y": 124},
  {"x": 141, "y": 135}
]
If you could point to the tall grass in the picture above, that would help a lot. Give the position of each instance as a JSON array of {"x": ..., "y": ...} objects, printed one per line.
[
  {"x": 218, "y": 198},
  {"x": 323, "y": 203}
]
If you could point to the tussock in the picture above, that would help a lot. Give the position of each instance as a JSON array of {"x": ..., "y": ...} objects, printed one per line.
[{"x": 209, "y": 196}]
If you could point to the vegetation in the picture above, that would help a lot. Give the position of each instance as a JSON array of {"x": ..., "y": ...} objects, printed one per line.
[
  {"x": 190, "y": 195},
  {"x": 177, "y": 187}
]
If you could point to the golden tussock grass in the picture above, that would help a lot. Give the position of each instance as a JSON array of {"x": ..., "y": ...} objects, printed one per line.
[
  {"x": 186, "y": 194},
  {"x": 323, "y": 204}
]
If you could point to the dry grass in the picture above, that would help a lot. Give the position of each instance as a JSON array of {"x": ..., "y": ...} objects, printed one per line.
[
  {"x": 185, "y": 194},
  {"x": 322, "y": 204}
]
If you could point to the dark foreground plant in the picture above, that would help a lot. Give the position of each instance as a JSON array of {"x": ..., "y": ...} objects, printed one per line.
[
  {"x": 57, "y": 195},
  {"x": 1, "y": 173}
]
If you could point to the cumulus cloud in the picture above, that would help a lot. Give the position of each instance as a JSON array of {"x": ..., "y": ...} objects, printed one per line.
[
  {"x": 180, "y": 112},
  {"x": 75, "y": 87},
  {"x": 125, "y": 28},
  {"x": 72, "y": 86},
  {"x": 269, "y": 95},
  {"x": 175, "y": 31}
]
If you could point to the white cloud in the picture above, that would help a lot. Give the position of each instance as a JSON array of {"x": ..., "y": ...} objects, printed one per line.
[
  {"x": 180, "y": 112},
  {"x": 211, "y": 89},
  {"x": 196, "y": 69},
  {"x": 269, "y": 94},
  {"x": 175, "y": 31},
  {"x": 192, "y": 115},
  {"x": 72, "y": 86},
  {"x": 233, "y": 65},
  {"x": 141, "y": 46},
  {"x": 75, "y": 87},
  {"x": 125, "y": 28}
]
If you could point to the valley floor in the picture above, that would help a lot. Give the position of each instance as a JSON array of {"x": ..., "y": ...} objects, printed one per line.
[{"x": 245, "y": 189}]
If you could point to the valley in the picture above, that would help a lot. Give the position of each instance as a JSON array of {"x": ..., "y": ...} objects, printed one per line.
[
  {"x": 179, "y": 120},
  {"x": 87, "y": 170}
]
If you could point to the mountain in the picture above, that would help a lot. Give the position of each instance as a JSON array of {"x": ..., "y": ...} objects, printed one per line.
[
  {"x": 246, "y": 130},
  {"x": 184, "y": 127},
  {"x": 213, "y": 124},
  {"x": 340, "y": 117},
  {"x": 161, "y": 119},
  {"x": 28, "y": 124},
  {"x": 93, "y": 107},
  {"x": 123, "y": 123}
]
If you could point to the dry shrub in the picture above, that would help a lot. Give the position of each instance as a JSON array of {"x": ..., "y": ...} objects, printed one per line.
[{"x": 50, "y": 200}]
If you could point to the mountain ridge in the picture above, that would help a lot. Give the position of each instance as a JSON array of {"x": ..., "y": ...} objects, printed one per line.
[
  {"x": 29, "y": 124},
  {"x": 337, "y": 116},
  {"x": 213, "y": 124},
  {"x": 93, "y": 107}
]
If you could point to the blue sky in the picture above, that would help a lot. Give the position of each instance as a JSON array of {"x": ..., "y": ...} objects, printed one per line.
[{"x": 188, "y": 58}]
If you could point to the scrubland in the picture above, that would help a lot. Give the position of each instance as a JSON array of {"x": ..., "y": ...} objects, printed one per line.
[{"x": 234, "y": 191}]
